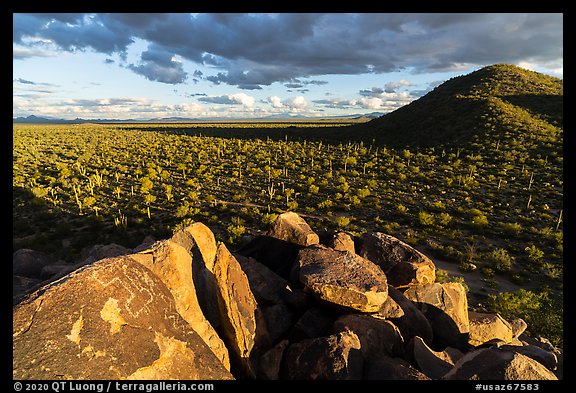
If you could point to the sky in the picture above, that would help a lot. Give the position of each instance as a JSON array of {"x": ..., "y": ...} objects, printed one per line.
[{"x": 231, "y": 66}]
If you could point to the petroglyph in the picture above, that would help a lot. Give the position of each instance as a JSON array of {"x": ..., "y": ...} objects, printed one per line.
[
  {"x": 111, "y": 314},
  {"x": 74, "y": 335}
]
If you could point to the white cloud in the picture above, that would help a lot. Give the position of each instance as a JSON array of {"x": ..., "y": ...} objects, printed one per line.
[
  {"x": 371, "y": 102},
  {"x": 298, "y": 102},
  {"x": 242, "y": 99},
  {"x": 276, "y": 102}
]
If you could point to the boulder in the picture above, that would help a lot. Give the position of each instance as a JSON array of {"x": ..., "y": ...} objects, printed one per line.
[
  {"x": 270, "y": 362},
  {"x": 268, "y": 287},
  {"x": 314, "y": 322},
  {"x": 21, "y": 284},
  {"x": 56, "y": 269},
  {"x": 237, "y": 307},
  {"x": 391, "y": 309},
  {"x": 377, "y": 336},
  {"x": 404, "y": 265},
  {"x": 29, "y": 263},
  {"x": 101, "y": 251},
  {"x": 292, "y": 228},
  {"x": 498, "y": 364},
  {"x": 171, "y": 261},
  {"x": 518, "y": 327},
  {"x": 435, "y": 364},
  {"x": 546, "y": 358},
  {"x": 342, "y": 278},
  {"x": 411, "y": 321},
  {"x": 342, "y": 241},
  {"x": 485, "y": 327},
  {"x": 114, "y": 319},
  {"x": 446, "y": 307},
  {"x": 272, "y": 322},
  {"x": 336, "y": 357},
  {"x": 387, "y": 368},
  {"x": 278, "y": 255}
]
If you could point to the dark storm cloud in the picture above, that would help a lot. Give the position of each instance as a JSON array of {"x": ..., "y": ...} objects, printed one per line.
[
  {"x": 253, "y": 50},
  {"x": 157, "y": 64}
]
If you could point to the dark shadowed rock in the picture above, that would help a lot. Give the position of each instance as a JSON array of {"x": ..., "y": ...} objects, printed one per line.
[
  {"x": 29, "y": 263},
  {"x": 111, "y": 320},
  {"x": 277, "y": 255},
  {"x": 270, "y": 362},
  {"x": 314, "y": 322},
  {"x": 49, "y": 271},
  {"x": 237, "y": 307},
  {"x": 403, "y": 264},
  {"x": 342, "y": 278},
  {"x": 412, "y": 321},
  {"x": 342, "y": 241},
  {"x": 435, "y": 364},
  {"x": 387, "y": 368},
  {"x": 268, "y": 287},
  {"x": 21, "y": 284},
  {"x": 292, "y": 228},
  {"x": 273, "y": 323},
  {"x": 377, "y": 336},
  {"x": 485, "y": 327},
  {"x": 101, "y": 251},
  {"x": 446, "y": 307},
  {"x": 498, "y": 364},
  {"x": 336, "y": 357}
]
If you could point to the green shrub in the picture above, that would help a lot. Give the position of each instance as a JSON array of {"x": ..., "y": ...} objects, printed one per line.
[
  {"x": 542, "y": 312},
  {"x": 500, "y": 259},
  {"x": 425, "y": 219}
]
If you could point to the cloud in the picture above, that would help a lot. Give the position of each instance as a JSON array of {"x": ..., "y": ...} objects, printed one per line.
[
  {"x": 230, "y": 99},
  {"x": 254, "y": 50},
  {"x": 26, "y": 53},
  {"x": 292, "y": 104},
  {"x": 276, "y": 102},
  {"x": 159, "y": 65}
]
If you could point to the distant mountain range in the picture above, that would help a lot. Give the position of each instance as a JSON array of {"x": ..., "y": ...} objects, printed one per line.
[{"x": 32, "y": 119}]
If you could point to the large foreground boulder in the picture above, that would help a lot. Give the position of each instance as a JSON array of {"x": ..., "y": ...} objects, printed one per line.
[
  {"x": 114, "y": 319},
  {"x": 342, "y": 278},
  {"x": 171, "y": 261},
  {"x": 237, "y": 307},
  {"x": 404, "y": 265}
]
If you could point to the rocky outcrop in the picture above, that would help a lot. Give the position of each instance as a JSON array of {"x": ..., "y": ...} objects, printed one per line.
[
  {"x": 325, "y": 358},
  {"x": 237, "y": 307},
  {"x": 411, "y": 321},
  {"x": 498, "y": 364},
  {"x": 342, "y": 241},
  {"x": 188, "y": 308},
  {"x": 292, "y": 228},
  {"x": 435, "y": 364},
  {"x": 115, "y": 319},
  {"x": 171, "y": 261},
  {"x": 387, "y": 368},
  {"x": 485, "y": 327},
  {"x": 446, "y": 307},
  {"x": 29, "y": 263},
  {"x": 342, "y": 278},
  {"x": 377, "y": 336},
  {"x": 404, "y": 265}
]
